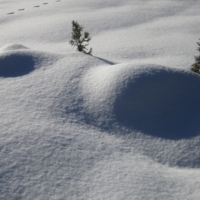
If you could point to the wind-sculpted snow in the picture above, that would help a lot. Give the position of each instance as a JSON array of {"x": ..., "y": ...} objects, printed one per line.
[
  {"x": 12, "y": 47},
  {"x": 15, "y": 64},
  {"x": 115, "y": 125},
  {"x": 160, "y": 102},
  {"x": 73, "y": 107},
  {"x": 17, "y": 60},
  {"x": 156, "y": 101}
]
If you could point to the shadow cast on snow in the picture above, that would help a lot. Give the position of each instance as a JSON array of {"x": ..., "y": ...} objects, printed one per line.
[
  {"x": 15, "y": 64},
  {"x": 165, "y": 105},
  {"x": 105, "y": 60}
]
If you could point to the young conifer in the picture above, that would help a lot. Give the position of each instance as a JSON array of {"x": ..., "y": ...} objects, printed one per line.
[
  {"x": 196, "y": 65},
  {"x": 79, "y": 40}
]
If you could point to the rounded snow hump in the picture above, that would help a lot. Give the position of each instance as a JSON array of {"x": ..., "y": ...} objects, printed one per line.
[
  {"x": 155, "y": 100},
  {"x": 17, "y": 60},
  {"x": 14, "y": 62}
]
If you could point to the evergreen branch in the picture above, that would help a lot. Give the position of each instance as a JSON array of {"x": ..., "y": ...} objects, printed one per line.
[{"x": 78, "y": 40}]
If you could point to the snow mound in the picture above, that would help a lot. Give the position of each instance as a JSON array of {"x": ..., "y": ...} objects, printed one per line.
[
  {"x": 155, "y": 100},
  {"x": 156, "y": 103},
  {"x": 13, "y": 47},
  {"x": 18, "y": 60},
  {"x": 160, "y": 102},
  {"x": 15, "y": 64}
]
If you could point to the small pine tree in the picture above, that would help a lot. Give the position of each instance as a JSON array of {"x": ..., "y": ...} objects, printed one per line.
[
  {"x": 78, "y": 40},
  {"x": 196, "y": 65}
]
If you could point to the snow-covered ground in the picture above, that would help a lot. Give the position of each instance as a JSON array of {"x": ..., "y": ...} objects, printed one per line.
[{"x": 121, "y": 124}]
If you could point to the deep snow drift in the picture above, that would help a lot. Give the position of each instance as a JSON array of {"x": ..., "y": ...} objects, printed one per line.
[
  {"x": 122, "y": 124},
  {"x": 153, "y": 99}
]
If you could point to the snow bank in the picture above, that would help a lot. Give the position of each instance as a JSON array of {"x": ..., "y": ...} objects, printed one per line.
[
  {"x": 161, "y": 102},
  {"x": 18, "y": 60},
  {"x": 15, "y": 64},
  {"x": 80, "y": 127},
  {"x": 158, "y": 102},
  {"x": 155, "y": 100}
]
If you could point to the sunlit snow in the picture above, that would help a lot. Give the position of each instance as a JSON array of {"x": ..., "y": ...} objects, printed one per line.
[{"x": 121, "y": 124}]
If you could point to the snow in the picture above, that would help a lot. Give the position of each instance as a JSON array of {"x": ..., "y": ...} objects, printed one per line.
[{"x": 121, "y": 124}]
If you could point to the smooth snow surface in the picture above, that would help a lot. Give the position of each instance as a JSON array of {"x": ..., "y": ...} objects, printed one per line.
[
  {"x": 121, "y": 124},
  {"x": 158, "y": 101}
]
